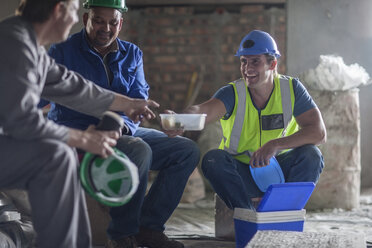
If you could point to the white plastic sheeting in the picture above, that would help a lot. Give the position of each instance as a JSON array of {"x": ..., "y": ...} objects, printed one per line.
[{"x": 333, "y": 75}]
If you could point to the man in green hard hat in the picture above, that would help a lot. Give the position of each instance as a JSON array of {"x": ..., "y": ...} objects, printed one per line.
[
  {"x": 38, "y": 155},
  {"x": 117, "y": 65}
]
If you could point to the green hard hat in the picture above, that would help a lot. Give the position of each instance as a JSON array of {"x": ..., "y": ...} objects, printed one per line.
[
  {"x": 111, "y": 181},
  {"x": 116, "y": 4}
]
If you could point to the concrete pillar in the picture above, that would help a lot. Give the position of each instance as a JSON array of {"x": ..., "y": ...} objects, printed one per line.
[
  {"x": 340, "y": 27},
  {"x": 339, "y": 184}
]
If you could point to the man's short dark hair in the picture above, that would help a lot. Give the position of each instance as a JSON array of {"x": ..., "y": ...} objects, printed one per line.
[
  {"x": 37, "y": 10},
  {"x": 269, "y": 58}
]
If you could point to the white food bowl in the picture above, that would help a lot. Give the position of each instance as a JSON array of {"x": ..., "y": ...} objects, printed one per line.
[{"x": 187, "y": 122}]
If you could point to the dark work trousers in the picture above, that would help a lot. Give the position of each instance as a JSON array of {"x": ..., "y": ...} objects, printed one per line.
[
  {"x": 48, "y": 170},
  {"x": 233, "y": 182}
]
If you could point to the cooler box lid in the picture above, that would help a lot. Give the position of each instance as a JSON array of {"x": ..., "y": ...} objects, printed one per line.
[{"x": 286, "y": 196}]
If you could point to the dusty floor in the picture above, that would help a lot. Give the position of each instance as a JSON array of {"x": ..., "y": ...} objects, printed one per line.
[
  {"x": 193, "y": 224},
  {"x": 338, "y": 220}
]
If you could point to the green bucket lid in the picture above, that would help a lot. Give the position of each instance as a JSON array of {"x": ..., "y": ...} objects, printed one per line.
[{"x": 111, "y": 181}]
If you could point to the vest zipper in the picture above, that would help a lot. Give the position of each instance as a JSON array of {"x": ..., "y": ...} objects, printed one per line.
[{"x": 259, "y": 120}]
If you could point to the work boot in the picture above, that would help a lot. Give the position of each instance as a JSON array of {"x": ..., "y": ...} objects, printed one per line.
[
  {"x": 155, "y": 239},
  {"x": 127, "y": 242}
]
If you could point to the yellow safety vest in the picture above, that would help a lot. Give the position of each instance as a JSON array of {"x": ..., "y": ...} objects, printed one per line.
[{"x": 246, "y": 129}]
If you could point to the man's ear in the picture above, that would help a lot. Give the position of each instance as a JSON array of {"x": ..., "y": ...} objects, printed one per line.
[
  {"x": 273, "y": 64},
  {"x": 85, "y": 18},
  {"x": 120, "y": 23},
  {"x": 59, "y": 10}
]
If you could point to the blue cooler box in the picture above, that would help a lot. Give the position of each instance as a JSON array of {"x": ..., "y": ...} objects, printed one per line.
[
  {"x": 248, "y": 222},
  {"x": 281, "y": 208}
]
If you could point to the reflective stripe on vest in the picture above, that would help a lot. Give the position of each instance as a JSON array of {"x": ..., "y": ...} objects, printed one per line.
[{"x": 240, "y": 115}]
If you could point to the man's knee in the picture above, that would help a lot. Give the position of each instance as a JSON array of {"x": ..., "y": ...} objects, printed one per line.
[
  {"x": 311, "y": 162},
  {"x": 211, "y": 161},
  {"x": 138, "y": 151},
  {"x": 192, "y": 149},
  {"x": 186, "y": 151},
  {"x": 55, "y": 160},
  {"x": 57, "y": 152},
  {"x": 142, "y": 150},
  {"x": 313, "y": 154}
]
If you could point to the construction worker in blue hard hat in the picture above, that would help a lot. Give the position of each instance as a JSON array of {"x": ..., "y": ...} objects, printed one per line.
[
  {"x": 98, "y": 54},
  {"x": 263, "y": 114}
]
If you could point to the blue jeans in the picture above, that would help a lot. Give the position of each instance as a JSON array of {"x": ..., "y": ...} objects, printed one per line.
[
  {"x": 233, "y": 182},
  {"x": 174, "y": 159}
]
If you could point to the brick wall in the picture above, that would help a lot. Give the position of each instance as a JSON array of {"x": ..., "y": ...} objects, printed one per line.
[{"x": 187, "y": 48}]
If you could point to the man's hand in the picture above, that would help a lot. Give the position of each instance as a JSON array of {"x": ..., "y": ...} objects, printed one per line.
[
  {"x": 261, "y": 157},
  {"x": 172, "y": 133},
  {"x": 93, "y": 141},
  {"x": 136, "y": 109},
  {"x": 140, "y": 108}
]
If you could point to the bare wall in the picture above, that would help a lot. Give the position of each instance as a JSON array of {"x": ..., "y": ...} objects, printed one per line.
[
  {"x": 339, "y": 27},
  {"x": 181, "y": 41}
]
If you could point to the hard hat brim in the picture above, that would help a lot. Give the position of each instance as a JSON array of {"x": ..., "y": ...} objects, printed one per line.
[
  {"x": 88, "y": 6},
  {"x": 256, "y": 52}
]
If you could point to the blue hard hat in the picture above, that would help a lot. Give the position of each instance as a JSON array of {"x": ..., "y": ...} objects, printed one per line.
[
  {"x": 267, "y": 175},
  {"x": 258, "y": 42}
]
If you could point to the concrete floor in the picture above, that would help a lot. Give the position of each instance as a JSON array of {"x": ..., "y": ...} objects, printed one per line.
[{"x": 193, "y": 224}]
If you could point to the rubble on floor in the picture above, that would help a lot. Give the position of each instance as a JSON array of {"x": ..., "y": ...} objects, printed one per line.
[{"x": 287, "y": 239}]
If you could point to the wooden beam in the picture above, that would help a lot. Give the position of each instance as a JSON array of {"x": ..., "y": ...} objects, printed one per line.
[{"x": 199, "y": 2}]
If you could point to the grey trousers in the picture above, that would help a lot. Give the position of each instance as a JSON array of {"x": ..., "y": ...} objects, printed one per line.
[{"x": 48, "y": 170}]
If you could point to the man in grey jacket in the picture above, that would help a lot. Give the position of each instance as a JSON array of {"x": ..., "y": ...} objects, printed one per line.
[{"x": 36, "y": 154}]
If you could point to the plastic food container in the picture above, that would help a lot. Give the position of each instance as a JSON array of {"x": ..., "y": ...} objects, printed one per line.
[{"x": 187, "y": 122}]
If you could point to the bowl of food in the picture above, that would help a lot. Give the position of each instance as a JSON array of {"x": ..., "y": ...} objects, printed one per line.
[{"x": 187, "y": 122}]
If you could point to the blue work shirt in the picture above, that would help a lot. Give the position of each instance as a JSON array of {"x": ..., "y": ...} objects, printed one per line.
[{"x": 126, "y": 65}]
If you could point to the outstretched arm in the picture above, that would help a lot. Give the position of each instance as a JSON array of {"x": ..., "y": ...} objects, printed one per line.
[
  {"x": 136, "y": 109},
  {"x": 73, "y": 91},
  {"x": 214, "y": 108}
]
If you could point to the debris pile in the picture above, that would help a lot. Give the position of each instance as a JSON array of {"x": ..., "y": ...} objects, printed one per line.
[{"x": 333, "y": 75}]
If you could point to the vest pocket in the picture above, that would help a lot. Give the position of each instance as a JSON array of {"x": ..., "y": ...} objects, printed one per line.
[{"x": 271, "y": 122}]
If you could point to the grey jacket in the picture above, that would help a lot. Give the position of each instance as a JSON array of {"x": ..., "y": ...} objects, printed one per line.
[{"x": 27, "y": 73}]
